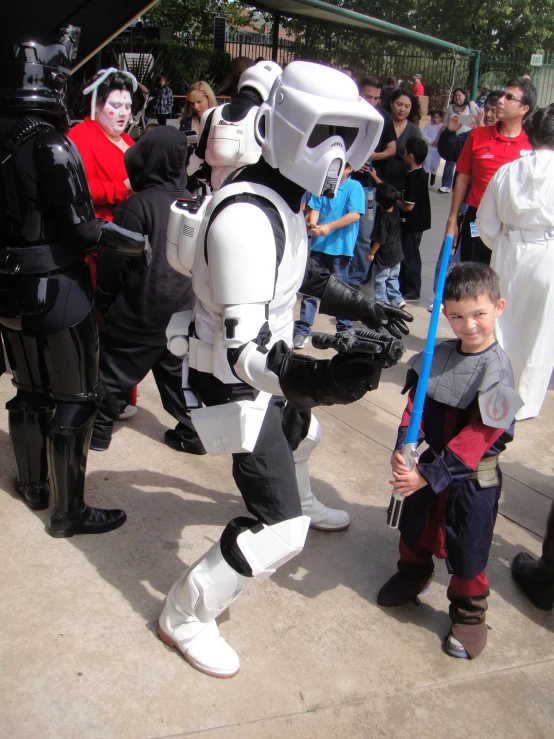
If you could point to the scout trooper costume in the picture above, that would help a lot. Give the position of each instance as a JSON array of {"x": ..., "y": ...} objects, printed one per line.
[
  {"x": 226, "y": 140},
  {"x": 247, "y": 251}
]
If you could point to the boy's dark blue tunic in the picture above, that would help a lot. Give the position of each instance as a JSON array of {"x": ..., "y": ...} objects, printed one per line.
[{"x": 468, "y": 419}]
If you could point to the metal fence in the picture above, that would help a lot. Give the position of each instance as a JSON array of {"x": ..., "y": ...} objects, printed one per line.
[
  {"x": 496, "y": 71},
  {"x": 441, "y": 71}
]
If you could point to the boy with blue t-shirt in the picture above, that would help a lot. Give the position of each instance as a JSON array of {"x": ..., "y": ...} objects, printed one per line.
[{"x": 333, "y": 224}]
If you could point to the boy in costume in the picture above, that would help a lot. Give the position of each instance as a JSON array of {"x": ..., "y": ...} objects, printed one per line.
[{"x": 452, "y": 491}]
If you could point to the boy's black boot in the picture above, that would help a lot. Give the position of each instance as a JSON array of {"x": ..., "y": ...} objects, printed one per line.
[
  {"x": 536, "y": 577},
  {"x": 404, "y": 586}
]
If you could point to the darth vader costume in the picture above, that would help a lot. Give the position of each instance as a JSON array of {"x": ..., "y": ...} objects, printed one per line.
[{"x": 47, "y": 319}]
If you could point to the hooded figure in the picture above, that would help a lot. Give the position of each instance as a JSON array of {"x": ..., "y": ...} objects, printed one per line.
[
  {"x": 516, "y": 221},
  {"x": 137, "y": 308}
]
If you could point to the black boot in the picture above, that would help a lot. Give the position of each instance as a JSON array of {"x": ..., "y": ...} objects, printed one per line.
[
  {"x": 67, "y": 457},
  {"x": 404, "y": 586},
  {"x": 28, "y": 415},
  {"x": 536, "y": 577},
  {"x": 432, "y": 180}
]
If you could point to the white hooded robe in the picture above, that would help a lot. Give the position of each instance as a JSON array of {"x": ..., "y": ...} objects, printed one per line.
[{"x": 521, "y": 197}]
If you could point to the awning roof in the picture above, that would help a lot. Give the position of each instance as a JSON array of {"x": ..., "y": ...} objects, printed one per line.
[
  {"x": 315, "y": 10},
  {"x": 100, "y": 20}
]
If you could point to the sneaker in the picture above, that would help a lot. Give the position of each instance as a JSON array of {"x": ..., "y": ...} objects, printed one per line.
[
  {"x": 455, "y": 648},
  {"x": 126, "y": 411},
  {"x": 299, "y": 341},
  {"x": 445, "y": 189},
  {"x": 401, "y": 304},
  {"x": 432, "y": 180},
  {"x": 412, "y": 298},
  {"x": 430, "y": 308}
]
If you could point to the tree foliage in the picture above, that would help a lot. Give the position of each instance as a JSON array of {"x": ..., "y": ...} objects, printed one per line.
[
  {"x": 197, "y": 15},
  {"x": 495, "y": 27}
]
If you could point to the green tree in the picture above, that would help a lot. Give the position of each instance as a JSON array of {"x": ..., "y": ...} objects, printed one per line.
[{"x": 197, "y": 15}]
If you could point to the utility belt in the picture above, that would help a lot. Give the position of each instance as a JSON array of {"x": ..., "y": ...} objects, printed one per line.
[
  {"x": 38, "y": 260},
  {"x": 526, "y": 235},
  {"x": 227, "y": 428},
  {"x": 486, "y": 473}
]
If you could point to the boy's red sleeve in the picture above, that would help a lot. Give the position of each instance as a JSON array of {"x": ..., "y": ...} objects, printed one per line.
[{"x": 403, "y": 428}]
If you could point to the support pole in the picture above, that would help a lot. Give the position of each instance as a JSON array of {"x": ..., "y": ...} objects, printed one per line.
[
  {"x": 275, "y": 35},
  {"x": 475, "y": 74}
]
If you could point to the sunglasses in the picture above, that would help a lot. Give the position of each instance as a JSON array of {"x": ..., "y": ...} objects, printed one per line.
[{"x": 508, "y": 96}]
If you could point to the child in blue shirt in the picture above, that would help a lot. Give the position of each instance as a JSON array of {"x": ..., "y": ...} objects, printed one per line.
[{"x": 333, "y": 224}]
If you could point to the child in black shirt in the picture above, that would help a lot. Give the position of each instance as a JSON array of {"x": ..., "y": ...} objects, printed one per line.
[
  {"x": 386, "y": 247},
  {"x": 416, "y": 217}
]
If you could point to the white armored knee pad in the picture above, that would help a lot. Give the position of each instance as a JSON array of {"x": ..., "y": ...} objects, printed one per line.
[
  {"x": 272, "y": 546},
  {"x": 309, "y": 443},
  {"x": 209, "y": 587}
]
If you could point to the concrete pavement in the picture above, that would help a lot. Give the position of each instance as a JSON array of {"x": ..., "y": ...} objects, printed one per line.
[{"x": 78, "y": 648}]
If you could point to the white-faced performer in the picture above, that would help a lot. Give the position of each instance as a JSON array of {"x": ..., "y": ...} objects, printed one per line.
[
  {"x": 226, "y": 138},
  {"x": 247, "y": 252}
]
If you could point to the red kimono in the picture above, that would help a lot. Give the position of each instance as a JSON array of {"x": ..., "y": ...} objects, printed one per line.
[
  {"x": 106, "y": 173},
  {"x": 104, "y": 166}
]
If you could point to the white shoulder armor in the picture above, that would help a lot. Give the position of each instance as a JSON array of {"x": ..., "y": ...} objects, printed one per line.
[
  {"x": 232, "y": 144},
  {"x": 241, "y": 255}
]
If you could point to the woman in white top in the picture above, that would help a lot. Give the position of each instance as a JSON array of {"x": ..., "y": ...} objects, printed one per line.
[
  {"x": 460, "y": 105},
  {"x": 516, "y": 220}
]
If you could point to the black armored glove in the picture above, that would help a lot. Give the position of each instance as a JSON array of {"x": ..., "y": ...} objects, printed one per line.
[
  {"x": 307, "y": 382},
  {"x": 120, "y": 242},
  {"x": 339, "y": 299}
]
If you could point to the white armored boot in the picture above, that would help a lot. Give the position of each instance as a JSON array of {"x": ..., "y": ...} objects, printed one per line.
[
  {"x": 209, "y": 586},
  {"x": 187, "y": 621},
  {"x": 322, "y": 518}
]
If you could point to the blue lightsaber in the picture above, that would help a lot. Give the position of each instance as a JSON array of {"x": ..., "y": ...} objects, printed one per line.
[{"x": 409, "y": 450}]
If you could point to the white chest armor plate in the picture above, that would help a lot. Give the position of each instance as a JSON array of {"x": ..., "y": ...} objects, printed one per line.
[{"x": 208, "y": 318}]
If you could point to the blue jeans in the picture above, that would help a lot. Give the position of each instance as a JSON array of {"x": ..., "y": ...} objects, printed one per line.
[
  {"x": 385, "y": 282},
  {"x": 359, "y": 267},
  {"x": 338, "y": 265},
  {"x": 448, "y": 174}
]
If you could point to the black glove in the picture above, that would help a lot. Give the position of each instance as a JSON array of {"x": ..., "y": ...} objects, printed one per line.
[
  {"x": 339, "y": 299},
  {"x": 307, "y": 382},
  {"x": 395, "y": 318}
]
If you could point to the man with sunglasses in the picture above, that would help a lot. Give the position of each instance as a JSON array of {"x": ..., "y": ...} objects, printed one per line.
[{"x": 485, "y": 151}]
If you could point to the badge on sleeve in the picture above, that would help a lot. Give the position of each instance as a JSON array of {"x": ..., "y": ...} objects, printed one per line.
[{"x": 499, "y": 405}]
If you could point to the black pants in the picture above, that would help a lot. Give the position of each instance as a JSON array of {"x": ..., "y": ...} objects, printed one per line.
[
  {"x": 410, "y": 269},
  {"x": 122, "y": 366},
  {"x": 472, "y": 248},
  {"x": 162, "y": 118},
  {"x": 266, "y": 476}
]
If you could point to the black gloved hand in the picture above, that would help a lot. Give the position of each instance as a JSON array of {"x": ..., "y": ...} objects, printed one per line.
[
  {"x": 385, "y": 315},
  {"x": 339, "y": 299},
  {"x": 307, "y": 382}
]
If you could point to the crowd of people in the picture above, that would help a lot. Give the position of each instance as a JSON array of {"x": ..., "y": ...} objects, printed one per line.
[{"x": 279, "y": 164}]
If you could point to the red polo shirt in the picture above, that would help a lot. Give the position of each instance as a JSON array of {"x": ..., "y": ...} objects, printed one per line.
[
  {"x": 484, "y": 152},
  {"x": 418, "y": 88}
]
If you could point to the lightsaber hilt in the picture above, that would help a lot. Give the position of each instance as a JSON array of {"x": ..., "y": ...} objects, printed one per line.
[{"x": 394, "y": 511}]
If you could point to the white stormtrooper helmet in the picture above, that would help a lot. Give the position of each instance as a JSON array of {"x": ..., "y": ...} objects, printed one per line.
[
  {"x": 313, "y": 123},
  {"x": 261, "y": 77}
]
